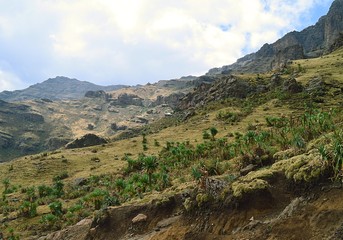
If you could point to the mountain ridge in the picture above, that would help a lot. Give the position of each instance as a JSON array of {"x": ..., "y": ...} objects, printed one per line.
[
  {"x": 312, "y": 41},
  {"x": 56, "y": 88}
]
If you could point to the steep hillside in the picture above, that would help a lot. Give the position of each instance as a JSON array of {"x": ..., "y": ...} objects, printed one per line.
[
  {"x": 311, "y": 42},
  {"x": 23, "y": 131},
  {"x": 55, "y": 88},
  {"x": 265, "y": 165}
]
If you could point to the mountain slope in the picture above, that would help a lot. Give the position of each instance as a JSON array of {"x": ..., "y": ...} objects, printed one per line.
[
  {"x": 284, "y": 195},
  {"x": 56, "y": 88},
  {"x": 311, "y": 42}
]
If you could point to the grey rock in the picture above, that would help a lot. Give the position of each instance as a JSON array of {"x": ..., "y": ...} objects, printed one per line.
[
  {"x": 292, "y": 86},
  {"x": 316, "y": 86},
  {"x": 292, "y": 207}
]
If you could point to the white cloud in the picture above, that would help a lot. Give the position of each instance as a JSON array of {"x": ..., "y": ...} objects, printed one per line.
[
  {"x": 9, "y": 81},
  {"x": 136, "y": 41}
]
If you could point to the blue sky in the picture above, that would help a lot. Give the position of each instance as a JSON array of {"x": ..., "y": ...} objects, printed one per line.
[{"x": 138, "y": 41}]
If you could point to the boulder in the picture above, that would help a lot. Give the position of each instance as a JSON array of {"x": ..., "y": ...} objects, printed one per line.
[
  {"x": 316, "y": 86},
  {"x": 275, "y": 81},
  {"x": 86, "y": 141},
  {"x": 292, "y": 86},
  {"x": 139, "y": 218},
  {"x": 78, "y": 231}
]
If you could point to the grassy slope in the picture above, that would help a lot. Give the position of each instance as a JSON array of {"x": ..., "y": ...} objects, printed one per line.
[{"x": 39, "y": 169}]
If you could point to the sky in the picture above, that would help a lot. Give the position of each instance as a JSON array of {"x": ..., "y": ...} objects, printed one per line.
[{"x": 131, "y": 42}]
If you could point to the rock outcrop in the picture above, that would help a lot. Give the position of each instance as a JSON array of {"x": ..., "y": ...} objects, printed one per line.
[
  {"x": 86, "y": 141},
  {"x": 97, "y": 94},
  {"x": 225, "y": 87},
  {"x": 172, "y": 100},
  {"x": 125, "y": 99}
]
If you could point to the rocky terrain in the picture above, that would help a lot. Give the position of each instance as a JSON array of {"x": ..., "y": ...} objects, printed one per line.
[
  {"x": 249, "y": 156},
  {"x": 23, "y": 130},
  {"x": 69, "y": 109}
]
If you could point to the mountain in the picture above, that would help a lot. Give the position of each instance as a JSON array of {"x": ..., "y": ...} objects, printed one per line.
[
  {"x": 310, "y": 42},
  {"x": 259, "y": 157},
  {"x": 48, "y": 115},
  {"x": 56, "y": 88},
  {"x": 242, "y": 167}
]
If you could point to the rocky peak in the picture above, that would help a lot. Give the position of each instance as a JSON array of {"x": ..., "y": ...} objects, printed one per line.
[{"x": 310, "y": 42}]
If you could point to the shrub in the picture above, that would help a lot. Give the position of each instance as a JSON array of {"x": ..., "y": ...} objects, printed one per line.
[
  {"x": 6, "y": 183},
  {"x": 229, "y": 117},
  {"x": 56, "y": 208},
  {"x": 58, "y": 188},
  {"x": 97, "y": 197},
  {"x": 196, "y": 173},
  {"x": 156, "y": 143},
  {"x": 49, "y": 220},
  {"x": 44, "y": 191},
  {"x": 206, "y": 135},
  {"x": 28, "y": 209},
  {"x": 60, "y": 176}
]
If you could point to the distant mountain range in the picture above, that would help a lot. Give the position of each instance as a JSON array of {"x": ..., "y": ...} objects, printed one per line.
[
  {"x": 311, "y": 42},
  {"x": 56, "y": 88}
]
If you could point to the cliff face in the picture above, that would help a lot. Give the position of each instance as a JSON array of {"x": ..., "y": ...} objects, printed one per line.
[{"x": 311, "y": 42}]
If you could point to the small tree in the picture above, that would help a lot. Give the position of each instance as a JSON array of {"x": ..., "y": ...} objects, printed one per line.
[{"x": 213, "y": 132}]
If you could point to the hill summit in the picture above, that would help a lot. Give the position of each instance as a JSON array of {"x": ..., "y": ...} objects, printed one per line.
[{"x": 56, "y": 88}]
